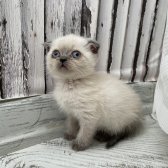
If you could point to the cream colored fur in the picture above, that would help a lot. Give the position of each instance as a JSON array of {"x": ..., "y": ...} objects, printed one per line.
[{"x": 92, "y": 100}]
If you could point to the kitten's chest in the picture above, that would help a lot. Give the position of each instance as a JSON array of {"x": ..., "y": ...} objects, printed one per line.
[{"x": 68, "y": 97}]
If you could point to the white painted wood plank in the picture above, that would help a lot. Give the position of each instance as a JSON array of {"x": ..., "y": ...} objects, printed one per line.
[
  {"x": 73, "y": 16},
  {"x": 104, "y": 32},
  {"x": 27, "y": 121},
  {"x": 140, "y": 151},
  {"x": 132, "y": 30},
  {"x": 145, "y": 38},
  {"x": 33, "y": 51},
  {"x": 90, "y": 11},
  {"x": 156, "y": 44},
  {"x": 119, "y": 37},
  {"x": 37, "y": 110},
  {"x": 0, "y": 42},
  {"x": 11, "y": 55},
  {"x": 54, "y": 19}
]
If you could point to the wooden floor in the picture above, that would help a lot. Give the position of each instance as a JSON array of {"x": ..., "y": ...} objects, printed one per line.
[{"x": 149, "y": 149}]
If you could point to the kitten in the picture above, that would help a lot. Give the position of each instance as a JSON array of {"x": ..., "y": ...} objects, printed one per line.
[{"x": 97, "y": 105}]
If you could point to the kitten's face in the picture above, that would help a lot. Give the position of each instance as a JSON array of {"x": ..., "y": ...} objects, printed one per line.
[{"x": 72, "y": 57}]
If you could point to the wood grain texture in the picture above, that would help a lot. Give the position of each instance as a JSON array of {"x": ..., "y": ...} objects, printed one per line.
[
  {"x": 119, "y": 37},
  {"x": 141, "y": 151},
  {"x": 54, "y": 27},
  {"x": 11, "y": 50},
  {"x": 106, "y": 17},
  {"x": 26, "y": 121},
  {"x": 89, "y": 18},
  {"x": 142, "y": 49},
  {"x": 0, "y": 47},
  {"x": 131, "y": 38},
  {"x": 73, "y": 17},
  {"x": 32, "y": 45},
  {"x": 156, "y": 43}
]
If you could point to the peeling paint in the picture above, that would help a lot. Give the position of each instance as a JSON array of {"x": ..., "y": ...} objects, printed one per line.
[
  {"x": 4, "y": 50},
  {"x": 26, "y": 63},
  {"x": 85, "y": 20}
]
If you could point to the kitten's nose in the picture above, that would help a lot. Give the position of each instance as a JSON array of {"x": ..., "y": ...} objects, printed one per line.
[{"x": 63, "y": 60}]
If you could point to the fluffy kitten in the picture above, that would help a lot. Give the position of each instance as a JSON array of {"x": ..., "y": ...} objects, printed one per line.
[{"x": 97, "y": 105}]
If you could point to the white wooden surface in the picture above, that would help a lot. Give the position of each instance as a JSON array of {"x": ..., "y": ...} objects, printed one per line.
[
  {"x": 147, "y": 23},
  {"x": 0, "y": 41},
  {"x": 32, "y": 48},
  {"x": 11, "y": 50},
  {"x": 119, "y": 37},
  {"x": 27, "y": 121},
  {"x": 106, "y": 17},
  {"x": 93, "y": 6},
  {"x": 141, "y": 151},
  {"x": 131, "y": 39},
  {"x": 157, "y": 40}
]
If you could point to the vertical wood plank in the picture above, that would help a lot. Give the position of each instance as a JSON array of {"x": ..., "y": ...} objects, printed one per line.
[
  {"x": 0, "y": 46},
  {"x": 72, "y": 16},
  {"x": 156, "y": 44},
  {"x": 105, "y": 20},
  {"x": 32, "y": 43},
  {"x": 89, "y": 18},
  {"x": 133, "y": 24},
  {"x": 147, "y": 24},
  {"x": 119, "y": 37},
  {"x": 11, "y": 53},
  {"x": 54, "y": 19}
]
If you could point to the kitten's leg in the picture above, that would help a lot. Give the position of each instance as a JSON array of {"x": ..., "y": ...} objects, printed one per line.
[
  {"x": 102, "y": 136},
  {"x": 85, "y": 135},
  {"x": 72, "y": 128},
  {"x": 129, "y": 131}
]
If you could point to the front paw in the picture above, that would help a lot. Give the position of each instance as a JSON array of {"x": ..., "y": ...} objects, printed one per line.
[
  {"x": 79, "y": 145},
  {"x": 69, "y": 137}
]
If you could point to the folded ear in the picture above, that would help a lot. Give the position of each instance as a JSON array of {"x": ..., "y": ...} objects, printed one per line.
[
  {"x": 93, "y": 46},
  {"x": 47, "y": 45}
]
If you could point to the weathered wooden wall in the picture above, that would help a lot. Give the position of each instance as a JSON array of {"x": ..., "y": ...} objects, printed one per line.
[{"x": 130, "y": 33}]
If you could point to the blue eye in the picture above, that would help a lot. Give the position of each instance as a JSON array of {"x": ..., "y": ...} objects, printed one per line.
[
  {"x": 55, "y": 54},
  {"x": 75, "y": 54}
]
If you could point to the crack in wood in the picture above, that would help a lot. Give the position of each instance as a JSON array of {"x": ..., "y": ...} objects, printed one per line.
[
  {"x": 114, "y": 17},
  {"x": 45, "y": 50},
  {"x": 26, "y": 64},
  {"x": 138, "y": 41},
  {"x": 4, "y": 49}
]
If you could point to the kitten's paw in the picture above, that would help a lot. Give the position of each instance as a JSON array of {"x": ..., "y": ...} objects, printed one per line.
[
  {"x": 69, "y": 137},
  {"x": 79, "y": 146}
]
